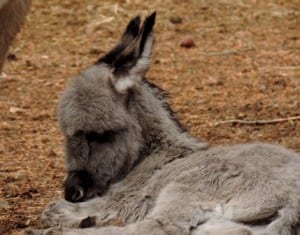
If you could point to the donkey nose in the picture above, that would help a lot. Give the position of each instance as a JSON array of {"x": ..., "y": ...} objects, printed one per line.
[{"x": 74, "y": 194}]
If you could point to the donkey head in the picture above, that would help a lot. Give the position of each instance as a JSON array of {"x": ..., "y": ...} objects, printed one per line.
[{"x": 102, "y": 132}]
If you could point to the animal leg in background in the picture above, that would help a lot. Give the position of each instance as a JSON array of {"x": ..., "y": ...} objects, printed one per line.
[{"x": 12, "y": 16}]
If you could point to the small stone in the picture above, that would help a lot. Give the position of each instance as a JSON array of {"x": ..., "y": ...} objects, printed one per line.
[
  {"x": 175, "y": 20},
  {"x": 3, "y": 204},
  {"x": 188, "y": 42},
  {"x": 12, "y": 56},
  {"x": 15, "y": 110},
  {"x": 94, "y": 51},
  {"x": 45, "y": 57},
  {"x": 3, "y": 75}
]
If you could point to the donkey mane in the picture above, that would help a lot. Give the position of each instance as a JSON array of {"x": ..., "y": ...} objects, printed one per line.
[{"x": 163, "y": 95}]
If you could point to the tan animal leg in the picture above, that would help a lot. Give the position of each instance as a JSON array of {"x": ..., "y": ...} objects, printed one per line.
[{"x": 12, "y": 16}]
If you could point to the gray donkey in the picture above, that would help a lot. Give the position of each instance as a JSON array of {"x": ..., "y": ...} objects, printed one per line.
[{"x": 124, "y": 144}]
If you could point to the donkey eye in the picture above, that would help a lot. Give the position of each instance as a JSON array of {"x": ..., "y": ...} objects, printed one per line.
[{"x": 105, "y": 136}]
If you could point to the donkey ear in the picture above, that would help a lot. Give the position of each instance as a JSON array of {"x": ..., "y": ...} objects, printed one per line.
[
  {"x": 145, "y": 45},
  {"x": 130, "y": 33},
  {"x": 134, "y": 61},
  {"x": 136, "y": 56}
]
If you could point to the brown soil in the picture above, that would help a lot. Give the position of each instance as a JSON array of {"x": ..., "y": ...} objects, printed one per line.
[{"x": 245, "y": 65}]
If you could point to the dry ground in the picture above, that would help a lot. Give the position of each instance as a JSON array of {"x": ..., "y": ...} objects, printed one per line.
[{"x": 246, "y": 65}]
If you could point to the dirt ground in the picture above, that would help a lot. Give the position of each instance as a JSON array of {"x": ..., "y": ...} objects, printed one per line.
[{"x": 245, "y": 66}]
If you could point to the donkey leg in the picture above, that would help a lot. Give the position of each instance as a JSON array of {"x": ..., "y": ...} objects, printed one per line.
[
  {"x": 258, "y": 208},
  {"x": 249, "y": 207},
  {"x": 284, "y": 223},
  {"x": 178, "y": 209},
  {"x": 12, "y": 16},
  {"x": 66, "y": 214},
  {"x": 70, "y": 231},
  {"x": 221, "y": 227}
]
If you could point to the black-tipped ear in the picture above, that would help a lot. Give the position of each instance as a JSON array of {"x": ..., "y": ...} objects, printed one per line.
[
  {"x": 133, "y": 27},
  {"x": 132, "y": 64},
  {"x": 136, "y": 57},
  {"x": 130, "y": 33},
  {"x": 130, "y": 59},
  {"x": 146, "y": 30}
]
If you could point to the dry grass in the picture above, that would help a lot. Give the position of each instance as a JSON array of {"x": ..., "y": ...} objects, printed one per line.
[{"x": 246, "y": 65}]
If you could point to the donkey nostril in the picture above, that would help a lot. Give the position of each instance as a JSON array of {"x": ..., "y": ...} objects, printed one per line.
[
  {"x": 77, "y": 185},
  {"x": 77, "y": 195},
  {"x": 74, "y": 194}
]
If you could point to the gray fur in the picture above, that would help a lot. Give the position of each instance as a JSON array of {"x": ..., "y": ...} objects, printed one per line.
[
  {"x": 172, "y": 182},
  {"x": 12, "y": 16}
]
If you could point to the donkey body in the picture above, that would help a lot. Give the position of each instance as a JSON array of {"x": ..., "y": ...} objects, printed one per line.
[{"x": 124, "y": 144}]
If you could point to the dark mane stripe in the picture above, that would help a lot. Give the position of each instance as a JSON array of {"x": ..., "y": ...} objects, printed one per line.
[{"x": 163, "y": 95}]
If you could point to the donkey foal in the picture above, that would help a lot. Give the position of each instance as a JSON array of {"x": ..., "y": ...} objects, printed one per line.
[{"x": 123, "y": 143}]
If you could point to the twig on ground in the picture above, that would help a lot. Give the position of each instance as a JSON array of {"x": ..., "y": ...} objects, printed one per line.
[
  {"x": 280, "y": 68},
  {"x": 226, "y": 52},
  {"x": 258, "y": 122}
]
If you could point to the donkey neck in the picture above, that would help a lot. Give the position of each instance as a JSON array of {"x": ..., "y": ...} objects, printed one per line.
[{"x": 161, "y": 130}]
